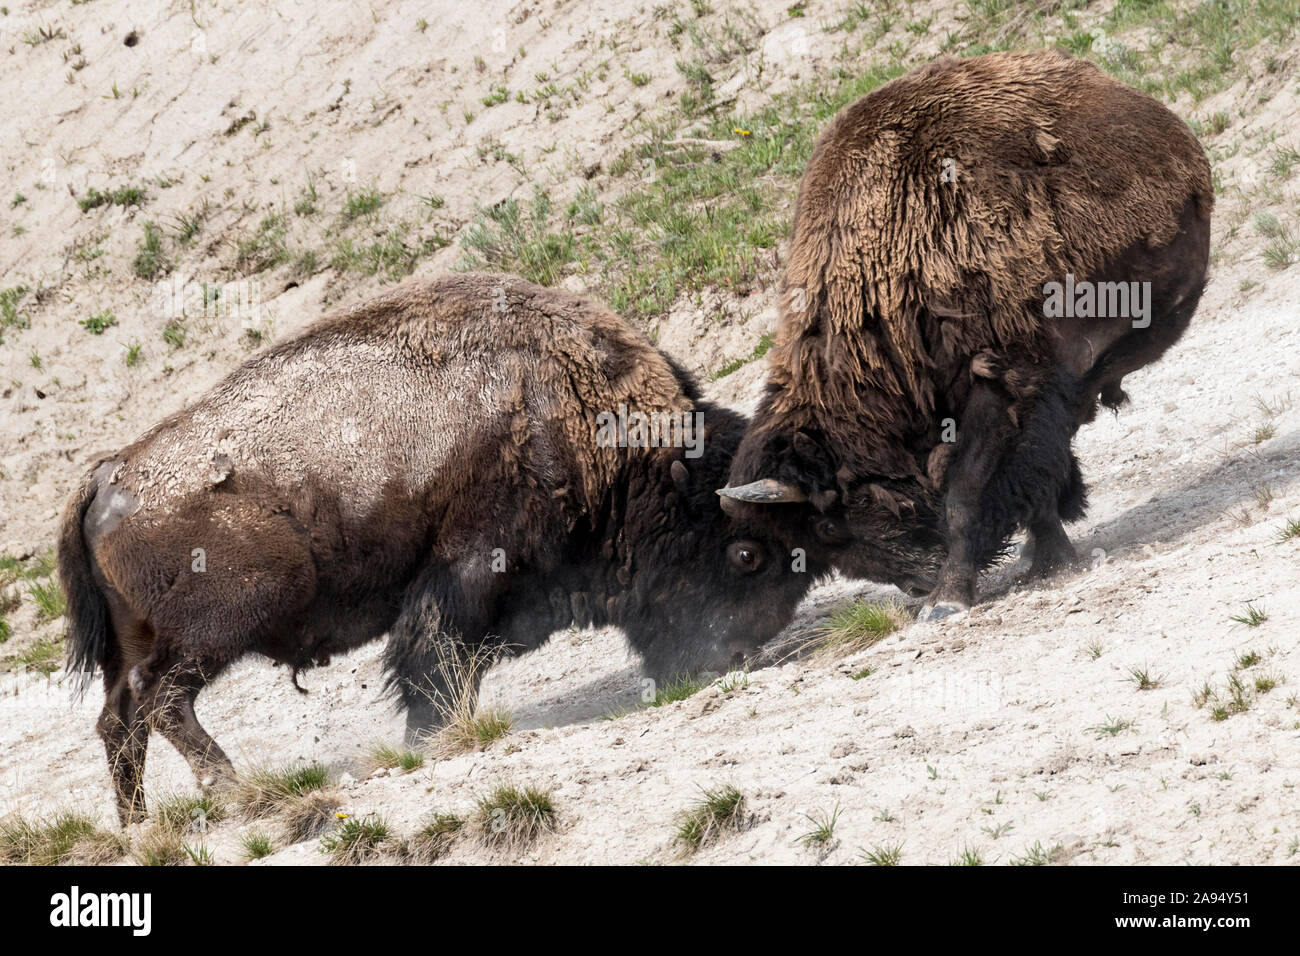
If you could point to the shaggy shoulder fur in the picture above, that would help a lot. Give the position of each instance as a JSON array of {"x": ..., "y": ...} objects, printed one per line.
[{"x": 928, "y": 219}]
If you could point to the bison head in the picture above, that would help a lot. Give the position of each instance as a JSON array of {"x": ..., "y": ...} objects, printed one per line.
[
  {"x": 708, "y": 589},
  {"x": 875, "y": 527}
]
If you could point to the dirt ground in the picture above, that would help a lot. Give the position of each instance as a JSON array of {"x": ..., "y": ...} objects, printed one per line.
[{"x": 1014, "y": 731}]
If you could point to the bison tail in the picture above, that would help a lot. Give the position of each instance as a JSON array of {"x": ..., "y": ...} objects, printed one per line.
[{"x": 88, "y": 635}]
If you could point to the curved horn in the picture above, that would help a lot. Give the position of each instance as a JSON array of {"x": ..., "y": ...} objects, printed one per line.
[{"x": 766, "y": 491}]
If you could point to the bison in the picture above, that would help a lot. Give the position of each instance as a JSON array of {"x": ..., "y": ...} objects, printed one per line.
[
  {"x": 467, "y": 464},
  {"x": 936, "y": 351}
]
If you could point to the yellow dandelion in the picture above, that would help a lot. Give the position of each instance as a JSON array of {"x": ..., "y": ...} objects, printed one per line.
[{"x": 741, "y": 132}]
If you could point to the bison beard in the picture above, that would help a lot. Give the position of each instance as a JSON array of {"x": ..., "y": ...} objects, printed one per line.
[
  {"x": 424, "y": 465},
  {"x": 913, "y": 303}
]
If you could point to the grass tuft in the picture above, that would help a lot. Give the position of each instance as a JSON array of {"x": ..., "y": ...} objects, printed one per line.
[
  {"x": 513, "y": 817},
  {"x": 858, "y": 625},
  {"x": 888, "y": 854},
  {"x": 434, "y": 840},
  {"x": 65, "y": 838},
  {"x": 719, "y": 811},
  {"x": 264, "y": 790},
  {"x": 356, "y": 840},
  {"x": 385, "y": 757}
]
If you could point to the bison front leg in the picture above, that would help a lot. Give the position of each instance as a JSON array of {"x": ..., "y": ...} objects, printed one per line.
[
  {"x": 440, "y": 646},
  {"x": 973, "y": 527}
]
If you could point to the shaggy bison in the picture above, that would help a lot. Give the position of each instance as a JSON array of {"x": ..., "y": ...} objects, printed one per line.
[
  {"x": 981, "y": 251},
  {"x": 468, "y": 464}
]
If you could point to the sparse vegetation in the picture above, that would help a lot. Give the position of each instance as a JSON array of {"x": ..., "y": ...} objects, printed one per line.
[
  {"x": 150, "y": 261},
  {"x": 362, "y": 203},
  {"x": 41, "y": 656},
  {"x": 860, "y": 624},
  {"x": 1037, "y": 855},
  {"x": 1112, "y": 727},
  {"x": 356, "y": 839},
  {"x": 888, "y": 854},
  {"x": 264, "y": 790},
  {"x": 761, "y": 349},
  {"x": 823, "y": 831},
  {"x": 98, "y": 323},
  {"x": 1251, "y": 617},
  {"x": 684, "y": 687},
  {"x": 1144, "y": 678},
  {"x": 174, "y": 333},
  {"x": 387, "y": 757},
  {"x": 507, "y": 238},
  {"x": 395, "y": 253},
  {"x": 436, "y": 837},
  {"x": 266, "y": 248},
  {"x": 513, "y": 817},
  {"x": 1239, "y": 691},
  {"x": 970, "y": 856},
  {"x": 187, "y": 812},
  {"x": 122, "y": 196},
  {"x": 256, "y": 845},
  {"x": 719, "y": 811},
  {"x": 66, "y": 837}
]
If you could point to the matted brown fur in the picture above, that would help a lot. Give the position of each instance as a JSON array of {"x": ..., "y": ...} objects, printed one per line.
[{"x": 895, "y": 277}]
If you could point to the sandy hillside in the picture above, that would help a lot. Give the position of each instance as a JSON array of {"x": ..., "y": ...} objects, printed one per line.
[{"x": 292, "y": 161}]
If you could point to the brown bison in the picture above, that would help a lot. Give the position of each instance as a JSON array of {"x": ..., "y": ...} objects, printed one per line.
[
  {"x": 981, "y": 251},
  {"x": 469, "y": 463}
]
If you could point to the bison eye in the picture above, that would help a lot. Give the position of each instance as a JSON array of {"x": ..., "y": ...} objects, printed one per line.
[
  {"x": 830, "y": 531},
  {"x": 745, "y": 556}
]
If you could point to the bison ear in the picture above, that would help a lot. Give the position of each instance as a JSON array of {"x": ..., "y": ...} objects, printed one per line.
[
  {"x": 887, "y": 499},
  {"x": 810, "y": 450},
  {"x": 681, "y": 477}
]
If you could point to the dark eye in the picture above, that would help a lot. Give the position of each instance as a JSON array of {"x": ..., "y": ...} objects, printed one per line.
[
  {"x": 745, "y": 556},
  {"x": 829, "y": 530}
]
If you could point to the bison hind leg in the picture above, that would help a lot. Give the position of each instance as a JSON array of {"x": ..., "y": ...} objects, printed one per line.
[
  {"x": 170, "y": 698},
  {"x": 125, "y": 733}
]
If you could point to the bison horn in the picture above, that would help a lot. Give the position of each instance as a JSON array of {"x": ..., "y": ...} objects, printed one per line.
[{"x": 766, "y": 491}]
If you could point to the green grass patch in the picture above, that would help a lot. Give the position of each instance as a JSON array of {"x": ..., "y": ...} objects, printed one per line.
[
  {"x": 889, "y": 854},
  {"x": 42, "y": 656},
  {"x": 150, "y": 260},
  {"x": 99, "y": 323},
  {"x": 719, "y": 811},
  {"x": 860, "y": 624},
  {"x": 435, "y": 839},
  {"x": 386, "y": 757},
  {"x": 357, "y": 839},
  {"x": 188, "y": 812},
  {"x": 64, "y": 838},
  {"x": 514, "y": 816},
  {"x": 679, "y": 689},
  {"x": 256, "y": 845},
  {"x": 266, "y": 790},
  {"x": 266, "y": 248},
  {"x": 122, "y": 196}
]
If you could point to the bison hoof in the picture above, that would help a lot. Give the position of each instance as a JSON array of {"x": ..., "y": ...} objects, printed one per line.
[{"x": 937, "y": 612}]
